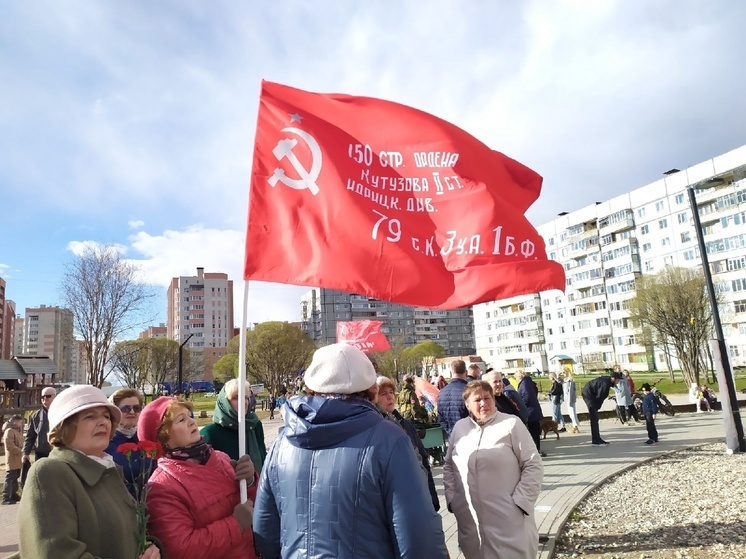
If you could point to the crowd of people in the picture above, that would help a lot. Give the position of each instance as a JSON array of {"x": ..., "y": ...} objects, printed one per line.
[{"x": 347, "y": 476}]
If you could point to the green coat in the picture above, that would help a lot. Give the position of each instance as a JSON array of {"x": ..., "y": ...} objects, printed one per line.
[
  {"x": 75, "y": 508},
  {"x": 222, "y": 434}
]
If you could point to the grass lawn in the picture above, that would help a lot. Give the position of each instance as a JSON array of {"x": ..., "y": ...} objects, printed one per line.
[
  {"x": 666, "y": 386},
  {"x": 203, "y": 402}
]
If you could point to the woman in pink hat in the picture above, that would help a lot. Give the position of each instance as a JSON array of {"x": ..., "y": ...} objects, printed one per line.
[
  {"x": 75, "y": 503},
  {"x": 193, "y": 499}
]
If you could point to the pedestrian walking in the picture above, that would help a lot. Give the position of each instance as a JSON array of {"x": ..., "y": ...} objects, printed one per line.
[
  {"x": 529, "y": 392},
  {"x": 557, "y": 394},
  {"x": 570, "y": 393},
  {"x": 451, "y": 406}
]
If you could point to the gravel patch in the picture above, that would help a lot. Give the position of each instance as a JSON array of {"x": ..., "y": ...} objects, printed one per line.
[{"x": 686, "y": 505}]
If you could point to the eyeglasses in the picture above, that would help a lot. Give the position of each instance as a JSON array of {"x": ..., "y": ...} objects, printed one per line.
[
  {"x": 47, "y": 396},
  {"x": 127, "y": 409}
]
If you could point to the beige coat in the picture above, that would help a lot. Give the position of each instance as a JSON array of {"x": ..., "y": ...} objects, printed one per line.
[
  {"x": 492, "y": 476},
  {"x": 13, "y": 441}
]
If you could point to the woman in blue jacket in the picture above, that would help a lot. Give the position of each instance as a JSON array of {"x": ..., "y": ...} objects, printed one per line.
[{"x": 340, "y": 480}]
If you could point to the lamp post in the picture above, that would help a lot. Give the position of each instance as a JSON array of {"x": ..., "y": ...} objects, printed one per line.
[
  {"x": 181, "y": 347},
  {"x": 727, "y": 371}
]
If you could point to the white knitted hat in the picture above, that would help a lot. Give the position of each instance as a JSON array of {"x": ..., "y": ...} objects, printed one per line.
[
  {"x": 339, "y": 369},
  {"x": 76, "y": 399}
]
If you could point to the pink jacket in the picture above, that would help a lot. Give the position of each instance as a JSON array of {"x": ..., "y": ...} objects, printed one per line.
[{"x": 191, "y": 509}]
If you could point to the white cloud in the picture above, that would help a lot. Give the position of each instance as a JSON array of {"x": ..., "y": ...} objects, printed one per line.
[
  {"x": 135, "y": 224},
  {"x": 78, "y": 248}
]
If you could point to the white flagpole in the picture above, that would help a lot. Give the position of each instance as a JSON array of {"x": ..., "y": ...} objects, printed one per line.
[{"x": 242, "y": 385}]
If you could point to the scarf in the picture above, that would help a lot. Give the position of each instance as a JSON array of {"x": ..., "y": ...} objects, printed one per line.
[
  {"x": 225, "y": 416},
  {"x": 199, "y": 452},
  {"x": 127, "y": 432}
]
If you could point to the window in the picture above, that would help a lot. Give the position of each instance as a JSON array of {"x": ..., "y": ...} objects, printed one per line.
[
  {"x": 641, "y": 212},
  {"x": 646, "y": 247},
  {"x": 662, "y": 223},
  {"x": 740, "y": 306},
  {"x": 679, "y": 198},
  {"x": 649, "y": 266},
  {"x": 660, "y": 206},
  {"x": 665, "y": 241},
  {"x": 644, "y": 230},
  {"x": 685, "y": 237},
  {"x": 683, "y": 217},
  {"x": 738, "y": 284}
]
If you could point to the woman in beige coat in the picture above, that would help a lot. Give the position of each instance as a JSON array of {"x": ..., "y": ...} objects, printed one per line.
[{"x": 492, "y": 479}]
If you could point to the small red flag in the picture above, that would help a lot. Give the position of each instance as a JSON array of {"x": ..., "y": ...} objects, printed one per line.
[
  {"x": 377, "y": 198},
  {"x": 365, "y": 335}
]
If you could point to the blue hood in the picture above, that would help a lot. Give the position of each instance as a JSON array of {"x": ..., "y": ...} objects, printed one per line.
[{"x": 315, "y": 422}]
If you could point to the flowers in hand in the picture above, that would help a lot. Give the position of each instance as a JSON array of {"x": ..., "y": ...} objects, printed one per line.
[{"x": 144, "y": 450}]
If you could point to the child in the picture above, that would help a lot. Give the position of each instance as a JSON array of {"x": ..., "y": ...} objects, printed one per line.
[
  {"x": 13, "y": 441},
  {"x": 649, "y": 408}
]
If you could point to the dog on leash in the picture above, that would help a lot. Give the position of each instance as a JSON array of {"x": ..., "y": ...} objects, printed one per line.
[{"x": 548, "y": 425}]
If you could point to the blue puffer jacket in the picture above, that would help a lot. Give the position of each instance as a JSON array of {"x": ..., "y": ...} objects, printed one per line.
[
  {"x": 340, "y": 481},
  {"x": 451, "y": 406}
]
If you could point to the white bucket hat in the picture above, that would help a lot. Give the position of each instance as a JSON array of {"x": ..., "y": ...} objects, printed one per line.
[{"x": 76, "y": 399}]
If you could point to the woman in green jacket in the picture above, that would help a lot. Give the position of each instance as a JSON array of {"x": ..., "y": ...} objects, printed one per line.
[
  {"x": 222, "y": 433},
  {"x": 75, "y": 504}
]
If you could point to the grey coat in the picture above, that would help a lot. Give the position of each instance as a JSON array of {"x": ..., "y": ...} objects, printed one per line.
[
  {"x": 623, "y": 394},
  {"x": 568, "y": 388}
]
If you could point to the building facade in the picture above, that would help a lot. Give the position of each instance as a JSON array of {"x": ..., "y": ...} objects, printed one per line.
[
  {"x": 7, "y": 323},
  {"x": 154, "y": 332},
  {"x": 604, "y": 248},
  {"x": 322, "y": 308},
  {"x": 201, "y": 306},
  {"x": 48, "y": 331}
]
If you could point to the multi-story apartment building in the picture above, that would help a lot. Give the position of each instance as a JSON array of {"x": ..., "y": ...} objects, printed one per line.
[
  {"x": 154, "y": 332},
  {"x": 201, "y": 306},
  {"x": 79, "y": 373},
  {"x": 48, "y": 331},
  {"x": 7, "y": 323},
  {"x": 322, "y": 308},
  {"x": 18, "y": 335},
  {"x": 604, "y": 248}
]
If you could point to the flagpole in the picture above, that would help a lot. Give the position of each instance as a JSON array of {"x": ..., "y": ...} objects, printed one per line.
[{"x": 242, "y": 385}]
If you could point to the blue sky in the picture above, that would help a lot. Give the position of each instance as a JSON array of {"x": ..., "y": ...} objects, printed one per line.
[{"x": 132, "y": 123}]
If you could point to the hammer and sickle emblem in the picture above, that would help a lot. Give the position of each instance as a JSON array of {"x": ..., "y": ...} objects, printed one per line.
[{"x": 284, "y": 149}]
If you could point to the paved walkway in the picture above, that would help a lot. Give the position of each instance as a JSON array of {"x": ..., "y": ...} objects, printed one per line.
[{"x": 572, "y": 469}]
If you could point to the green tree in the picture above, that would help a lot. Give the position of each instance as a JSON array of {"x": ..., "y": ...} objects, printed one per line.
[
  {"x": 163, "y": 362},
  {"x": 226, "y": 368},
  {"x": 422, "y": 356},
  {"x": 390, "y": 362},
  {"x": 275, "y": 351},
  {"x": 675, "y": 306},
  {"x": 103, "y": 292}
]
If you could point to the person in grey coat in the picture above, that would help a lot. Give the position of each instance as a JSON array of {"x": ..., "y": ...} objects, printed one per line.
[
  {"x": 624, "y": 401},
  {"x": 571, "y": 395}
]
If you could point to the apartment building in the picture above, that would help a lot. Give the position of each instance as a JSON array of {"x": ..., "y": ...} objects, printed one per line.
[
  {"x": 321, "y": 309},
  {"x": 154, "y": 332},
  {"x": 79, "y": 372},
  {"x": 7, "y": 323},
  {"x": 604, "y": 248},
  {"x": 201, "y": 306},
  {"x": 48, "y": 331}
]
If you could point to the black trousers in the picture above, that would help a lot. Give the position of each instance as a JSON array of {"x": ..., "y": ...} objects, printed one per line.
[
  {"x": 534, "y": 427},
  {"x": 633, "y": 412},
  {"x": 27, "y": 465},
  {"x": 650, "y": 424},
  {"x": 593, "y": 418}
]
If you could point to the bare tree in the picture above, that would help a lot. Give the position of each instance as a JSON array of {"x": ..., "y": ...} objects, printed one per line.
[
  {"x": 162, "y": 362},
  {"x": 129, "y": 361},
  {"x": 675, "y": 305},
  {"x": 102, "y": 291}
]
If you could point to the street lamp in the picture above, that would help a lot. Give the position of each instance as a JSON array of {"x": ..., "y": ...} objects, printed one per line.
[
  {"x": 181, "y": 347},
  {"x": 727, "y": 371}
]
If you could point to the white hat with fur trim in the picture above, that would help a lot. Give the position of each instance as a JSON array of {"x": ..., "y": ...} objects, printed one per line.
[
  {"x": 76, "y": 399},
  {"x": 339, "y": 369}
]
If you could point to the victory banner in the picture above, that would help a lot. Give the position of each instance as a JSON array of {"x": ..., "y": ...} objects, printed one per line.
[
  {"x": 365, "y": 335},
  {"x": 373, "y": 197}
]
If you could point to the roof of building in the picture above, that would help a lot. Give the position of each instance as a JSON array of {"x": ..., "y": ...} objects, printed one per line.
[
  {"x": 33, "y": 364},
  {"x": 11, "y": 370}
]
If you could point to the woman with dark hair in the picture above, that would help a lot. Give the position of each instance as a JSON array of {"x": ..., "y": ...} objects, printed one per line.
[
  {"x": 495, "y": 517},
  {"x": 135, "y": 467},
  {"x": 386, "y": 403},
  {"x": 75, "y": 503}
]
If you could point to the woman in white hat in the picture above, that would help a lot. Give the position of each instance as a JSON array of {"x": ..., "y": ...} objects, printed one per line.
[{"x": 75, "y": 503}]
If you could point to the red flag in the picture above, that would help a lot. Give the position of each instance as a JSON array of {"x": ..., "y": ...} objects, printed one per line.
[
  {"x": 421, "y": 386},
  {"x": 372, "y": 197},
  {"x": 363, "y": 334}
]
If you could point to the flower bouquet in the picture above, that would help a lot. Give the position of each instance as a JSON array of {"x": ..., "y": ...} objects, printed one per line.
[{"x": 148, "y": 452}]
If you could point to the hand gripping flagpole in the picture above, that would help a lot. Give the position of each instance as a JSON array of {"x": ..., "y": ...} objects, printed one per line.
[{"x": 242, "y": 386}]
